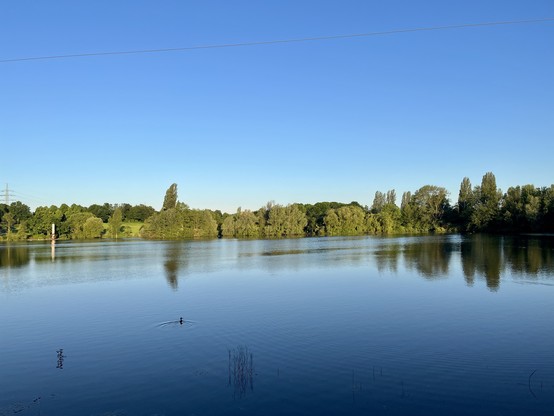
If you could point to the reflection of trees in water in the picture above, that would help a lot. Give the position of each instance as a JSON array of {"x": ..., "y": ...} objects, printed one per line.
[
  {"x": 171, "y": 266},
  {"x": 241, "y": 371},
  {"x": 302, "y": 253},
  {"x": 490, "y": 260},
  {"x": 529, "y": 255},
  {"x": 387, "y": 257},
  {"x": 13, "y": 255},
  {"x": 176, "y": 256},
  {"x": 482, "y": 254},
  {"x": 277, "y": 254},
  {"x": 489, "y": 256},
  {"x": 468, "y": 262},
  {"x": 430, "y": 258}
]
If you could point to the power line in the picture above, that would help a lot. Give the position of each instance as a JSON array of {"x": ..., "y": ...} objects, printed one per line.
[
  {"x": 279, "y": 41},
  {"x": 9, "y": 195},
  {"x": 27, "y": 196}
]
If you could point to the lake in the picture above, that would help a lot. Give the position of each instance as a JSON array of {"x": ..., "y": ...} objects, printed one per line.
[{"x": 384, "y": 326}]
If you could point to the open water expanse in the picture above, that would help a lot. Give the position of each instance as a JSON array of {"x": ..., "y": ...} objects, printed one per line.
[{"x": 435, "y": 325}]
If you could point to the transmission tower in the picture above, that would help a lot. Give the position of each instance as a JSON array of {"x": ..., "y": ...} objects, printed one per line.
[{"x": 7, "y": 194}]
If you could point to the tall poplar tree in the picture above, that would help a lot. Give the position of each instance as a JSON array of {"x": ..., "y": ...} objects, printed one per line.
[
  {"x": 170, "y": 200},
  {"x": 487, "y": 208},
  {"x": 378, "y": 202},
  {"x": 466, "y": 201},
  {"x": 391, "y": 197},
  {"x": 115, "y": 222}
]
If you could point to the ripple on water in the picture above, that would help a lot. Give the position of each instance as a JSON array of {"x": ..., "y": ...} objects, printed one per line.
[{"x": 185, "y": 323}]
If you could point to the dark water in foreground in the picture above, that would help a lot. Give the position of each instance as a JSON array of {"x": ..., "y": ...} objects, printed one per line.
[{"x": 381, "y": 326}]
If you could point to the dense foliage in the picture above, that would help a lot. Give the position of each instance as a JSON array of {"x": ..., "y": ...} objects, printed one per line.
[
  {"x": 521, "y": 209},
  {"x": 483, "y": 208},
  {"x": 17, "y": 222},
  {"x": 269, "y": 221},
  {"x": 180, "y": 222}
]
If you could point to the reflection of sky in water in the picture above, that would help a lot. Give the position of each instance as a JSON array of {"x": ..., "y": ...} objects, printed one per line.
[{"x": 301, "y": 326}]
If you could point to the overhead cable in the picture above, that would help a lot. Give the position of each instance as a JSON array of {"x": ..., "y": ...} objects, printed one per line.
[{"x": 277, "y": 41}]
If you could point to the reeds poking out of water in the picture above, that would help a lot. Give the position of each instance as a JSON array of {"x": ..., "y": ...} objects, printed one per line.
[
  {"x": 61, "y": 357},
  {"x": 241, "y": 370}
]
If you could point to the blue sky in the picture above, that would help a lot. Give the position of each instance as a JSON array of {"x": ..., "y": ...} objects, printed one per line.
[{"x": 298, "y": 122}]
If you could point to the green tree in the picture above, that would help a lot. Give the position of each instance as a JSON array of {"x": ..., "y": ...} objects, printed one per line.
[
  {"x": 372, "y": 225},
  {"x": 180, "y": 222},
  {"x": 9, "y": 221},
  {"x": 41, "y": 222},
  {"x": 246, "y": 224},
  {"x": 296, "y": 220},
  {"x": 125, "y": 207},
  {"x": 408, "y": 214},
  {"x": 104, "y": 212},
  {"x": 379, "y": 202},
  {"x": 315, "y": 215},
  {"x": 285, "y": 221},
  {"x": 430, "y": 203},
  {"x": 198, "y": 224},
  {"x": 332, "y": 223},
  {"x": 346, "y": 220},
  {"x": 68, "y": 211},
  {"x": 92, "y": 228},
  {"x": 390, "y": 219},
  {"x": 22, "y": 231},
  {"x": 490, "y": 194},
  {"x": 76, "y": 224},
  {"x": 164, "y": 225},
  {"x": 547, "y": 209},
  {"x": 20, "y": 211},
  {"x": 486, "y": 213},
  {"x": 228, "y": 227},
  {"x": 466, "y": 203},
  {"x": 532, "y": 205},
  {"x": 521, "y": 208},
  {"x": 139, "y": 213},
  {"x": 276, "y": 222},
  {"x": 13, "y": 215},
  {"x": 170, "y": 199},
  {"x": 115, "y": 222},
  {"x": 391, "y": 197}
]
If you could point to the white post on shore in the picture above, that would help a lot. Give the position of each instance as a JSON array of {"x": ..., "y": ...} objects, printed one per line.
[{"x": 53, "y": 239}]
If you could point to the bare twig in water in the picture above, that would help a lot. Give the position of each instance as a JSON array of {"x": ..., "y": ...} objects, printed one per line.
[{"x": 529, "y": 383}]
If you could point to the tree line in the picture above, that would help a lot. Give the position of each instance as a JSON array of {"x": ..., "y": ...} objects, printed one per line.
[
  {"x": 17, "y": 222},
  {"x": 481, "y": 208}
]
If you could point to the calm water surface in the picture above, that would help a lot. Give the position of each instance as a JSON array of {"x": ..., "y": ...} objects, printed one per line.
[{"x": 413, "y": 325}]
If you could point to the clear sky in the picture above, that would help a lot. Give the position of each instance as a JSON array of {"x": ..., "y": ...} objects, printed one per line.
[{"x": 331, "y": 120}]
